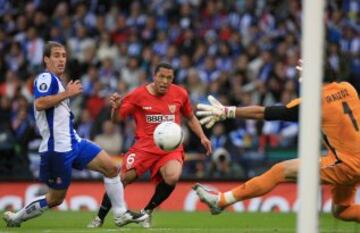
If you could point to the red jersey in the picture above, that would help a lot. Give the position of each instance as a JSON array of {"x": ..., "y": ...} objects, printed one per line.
[{"x": 149, "y": 110}]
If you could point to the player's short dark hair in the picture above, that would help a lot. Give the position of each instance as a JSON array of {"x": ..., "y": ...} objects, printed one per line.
[
  {"x": 48, "y": 47},
  {"x": 163, "y": 65}
]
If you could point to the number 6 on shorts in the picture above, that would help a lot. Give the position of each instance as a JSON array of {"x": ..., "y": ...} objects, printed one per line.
[{"x": 130, "y": 160}]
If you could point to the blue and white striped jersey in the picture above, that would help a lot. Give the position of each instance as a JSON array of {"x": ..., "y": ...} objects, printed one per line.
[{"x": 55, "y": 124}]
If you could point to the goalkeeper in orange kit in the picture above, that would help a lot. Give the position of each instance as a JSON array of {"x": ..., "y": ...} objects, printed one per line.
[{"x": 340, "y": 168}]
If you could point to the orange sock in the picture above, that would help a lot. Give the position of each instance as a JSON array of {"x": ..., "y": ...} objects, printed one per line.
[
  {"x": 255, "y": 187},
  {"x": 352, "y": 213}
]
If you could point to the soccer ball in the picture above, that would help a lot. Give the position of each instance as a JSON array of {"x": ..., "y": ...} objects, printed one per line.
[{"x": 168, "y": 136}]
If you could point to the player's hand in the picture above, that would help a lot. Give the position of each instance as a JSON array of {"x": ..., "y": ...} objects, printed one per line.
[
  {"x": 214, "y": 112},
  {"x": 207, "y": 144},
  {"x": 299, "y": 68},
  {"x": 115, "y": 100},
  {"x": 74, "y": 88}
]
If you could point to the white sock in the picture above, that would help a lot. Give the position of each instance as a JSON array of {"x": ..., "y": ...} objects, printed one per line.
[
  {"x": 32, "y": 210},
  {"x": 115, "y": 190},
  {"x": 229, "y": 198}
]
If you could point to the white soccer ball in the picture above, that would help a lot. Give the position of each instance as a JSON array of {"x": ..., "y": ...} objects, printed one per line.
[{"x": 168, "y": 136}]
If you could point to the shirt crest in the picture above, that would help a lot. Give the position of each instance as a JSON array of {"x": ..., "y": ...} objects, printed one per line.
[{"x": 172, "y": 108}]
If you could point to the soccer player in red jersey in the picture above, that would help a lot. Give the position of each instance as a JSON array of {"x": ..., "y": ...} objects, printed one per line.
[{"x": 150, "y": 105}]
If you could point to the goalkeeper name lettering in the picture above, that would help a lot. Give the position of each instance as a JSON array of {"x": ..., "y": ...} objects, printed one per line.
[
  {"x": 158, "y": 118},
  {"x": 337, "y": 96}
]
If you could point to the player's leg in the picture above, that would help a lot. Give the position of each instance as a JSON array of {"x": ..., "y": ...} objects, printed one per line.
[
  {"x": 114, "y": 189},
  {"x": 35, "y": 208},
  {"x": 105, "y": 207},
  {"x": 169, "y": 168},
  {"x": 56, "y": 173},
  {"x": 342, "y": 177},
  {"x": 170, "y": 173},
  {"x": 128, "y": 167},
  {"x": 113, "y": 186},
  {"x": 257, "y": 186},
  {"x": 344, "y": 206}
]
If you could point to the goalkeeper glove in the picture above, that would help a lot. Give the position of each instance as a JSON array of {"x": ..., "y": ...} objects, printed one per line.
[{"x": 214, "y": 112}]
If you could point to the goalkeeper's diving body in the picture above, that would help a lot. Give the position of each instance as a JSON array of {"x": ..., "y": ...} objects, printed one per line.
[{"x": 340, "y": 168}]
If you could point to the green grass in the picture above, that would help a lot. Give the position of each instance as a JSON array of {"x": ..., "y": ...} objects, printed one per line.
[{"x": 176, "y": 222}]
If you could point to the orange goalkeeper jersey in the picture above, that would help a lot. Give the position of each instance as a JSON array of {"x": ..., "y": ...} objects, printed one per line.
[{"x": 340, "y": 120}]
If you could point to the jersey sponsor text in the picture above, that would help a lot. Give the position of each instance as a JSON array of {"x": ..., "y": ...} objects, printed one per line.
[{"x": 158, "y": 118}]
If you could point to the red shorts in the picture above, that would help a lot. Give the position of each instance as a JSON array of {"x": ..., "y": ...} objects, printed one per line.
[{"x": 142, "y": 161}]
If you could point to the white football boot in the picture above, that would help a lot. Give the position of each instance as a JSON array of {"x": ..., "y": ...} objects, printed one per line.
[
  {"x": 147, "y": 222},
  {"x": 9, "y": 219},
  {"x": 95, "y": 223},
  {"x": 130, "y": 217},
  {"x": 209, "y": 198}
]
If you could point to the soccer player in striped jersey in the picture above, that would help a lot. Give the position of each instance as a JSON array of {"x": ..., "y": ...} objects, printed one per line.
[{"x": 62, "y": 149}]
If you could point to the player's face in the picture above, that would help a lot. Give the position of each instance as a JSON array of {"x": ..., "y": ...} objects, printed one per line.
[
  {"x": 57, "y": 61},
  {"x": 162, "y": 80}
]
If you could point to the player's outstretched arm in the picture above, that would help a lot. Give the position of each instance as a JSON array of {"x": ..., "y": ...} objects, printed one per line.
[
  {"x": 215, "y": 111},
  {"x": 251, "y": 112},
  {"x": 73, "y": 88}
]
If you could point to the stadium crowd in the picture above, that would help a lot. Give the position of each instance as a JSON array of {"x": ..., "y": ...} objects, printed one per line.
[{"x": 241, "y": 51}]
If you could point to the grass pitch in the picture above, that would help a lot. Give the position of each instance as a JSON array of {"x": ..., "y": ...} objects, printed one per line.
[{"x": 179, "y": 222}]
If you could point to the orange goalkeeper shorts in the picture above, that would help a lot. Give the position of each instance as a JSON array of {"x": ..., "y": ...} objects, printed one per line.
[{"x": 342, "y": 177}]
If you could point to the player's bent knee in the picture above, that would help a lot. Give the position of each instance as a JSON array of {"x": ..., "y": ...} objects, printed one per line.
[
  {"x": 339, "y": 216},
  {"x": 126, "y": 180},
  {"x": 111, "y": 172},
  {"x": 171, "y": 179},
  {"x": 128, "y": 177},
  {"x": 289, "y": 168},
  {"x": 55, "y": 197},
  {"x": 337, "y": 211},
  {"x": 53, "y": 202}
]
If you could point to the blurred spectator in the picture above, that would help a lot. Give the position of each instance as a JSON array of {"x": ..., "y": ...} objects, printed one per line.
[
  {"x": 5, "y": 110},
  {"x": 195, "y": 87},
  {"x": 222, "y": 167},
  {"x": 131, "y": 73},
  {"x": 218, "y": 137},
  {"x": 11, "y": 86},
  {"x": 7, "y": 149},
  {"x": 106, "y": 48},
  {"x": 34, "y": 46},
  {"x": 108, "y": 76},
  {"x": 209, "y": 72},
  {"x": 7, "y": 138},
  {"x": 15, "y": 60},
  {"x": 89, "y": 79},
  {"x": 110, "y": 139},
  {"x": 85, "y": 124},
  {"x": 23, "y": 128},
  {"x": 280, "y": 133},
  {"x": 96, "y": 101},
  {"x": 79, "y": 42},
  {"x": 200, "y": 170}
]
